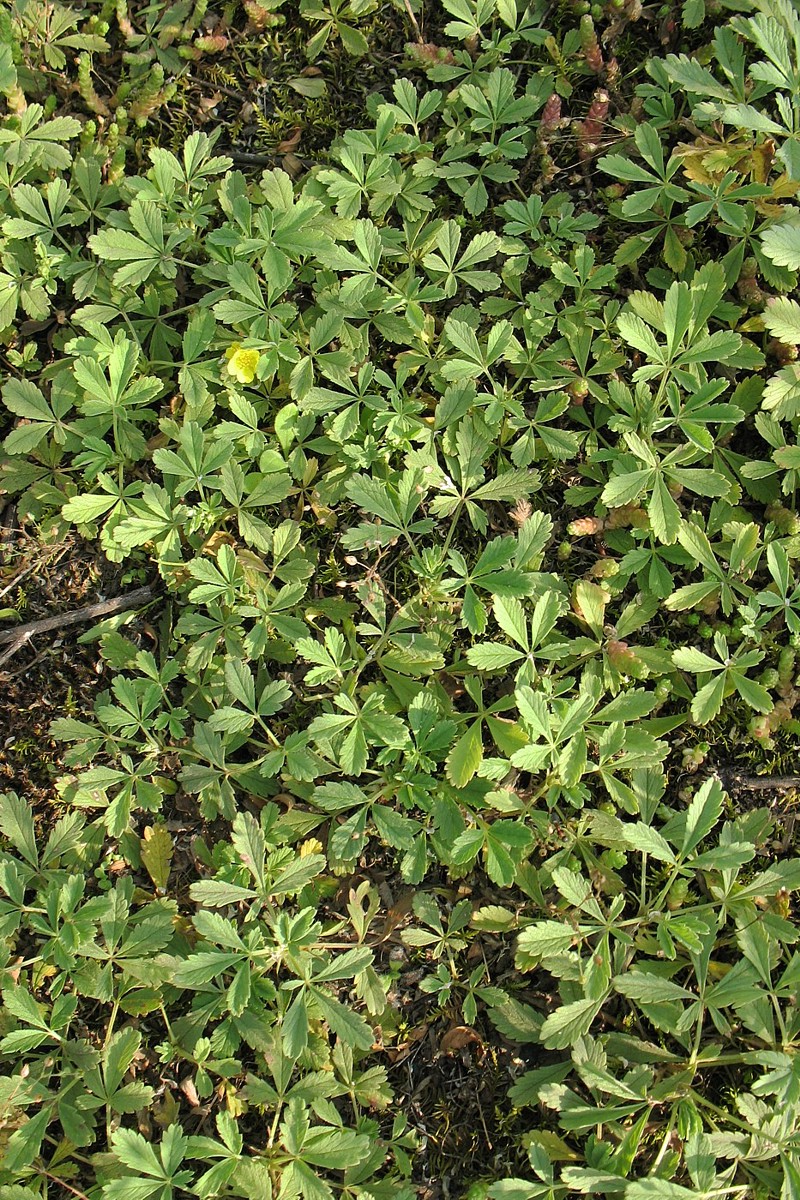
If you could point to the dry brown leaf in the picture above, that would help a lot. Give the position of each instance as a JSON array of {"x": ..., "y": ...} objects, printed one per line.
[
  {"x": 290, "y": 143},
  {"x": 190, "y": 1091},
  {"x": 458, "y": 1037},
  {"x": 397, "y": 913}
]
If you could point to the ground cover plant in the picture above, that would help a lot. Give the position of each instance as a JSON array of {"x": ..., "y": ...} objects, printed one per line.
[{"x": 412, "y": 392}]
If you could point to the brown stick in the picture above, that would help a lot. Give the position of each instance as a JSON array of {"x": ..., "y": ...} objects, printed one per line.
[
  {"x": 103, "y": 608},
  {"x": 760, "y": 783},
  {"x": 413, "y": 19}
]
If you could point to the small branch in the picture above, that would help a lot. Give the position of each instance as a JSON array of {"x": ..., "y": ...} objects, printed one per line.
[
  {"x": 18, "y": 578},
  {"x": 63, "y": 1183},
  {"x": 413, "y": 20},
  {"x": 252, "y": 160},
  {"x": 759, "y": 783},
  {"x": 17, "y": 638}
]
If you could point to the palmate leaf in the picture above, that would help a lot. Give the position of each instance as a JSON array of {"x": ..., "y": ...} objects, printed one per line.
[
  {"x": 41, "y": 417},
  {"x": 250, "y": 476},
  {"x": 119, "y": 245},
  {"x": 39, "y": 141}
]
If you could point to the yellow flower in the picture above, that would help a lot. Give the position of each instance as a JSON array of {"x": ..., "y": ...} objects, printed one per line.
[{"x": 242, "y": 364}]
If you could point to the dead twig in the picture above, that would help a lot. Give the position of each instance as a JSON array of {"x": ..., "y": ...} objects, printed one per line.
[
  {"x": 412, "y": 18},
  {"x": 760, "y": 783},
  {"x": 18, "y": 578},
  {"x": 15, "y": 639},
  {"x": 246, "y": 159}
]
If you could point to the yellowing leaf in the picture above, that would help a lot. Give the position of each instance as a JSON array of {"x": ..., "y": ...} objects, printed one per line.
[
  {"x": 589, "y": 602},
  {"x": 157, "y": 851}
]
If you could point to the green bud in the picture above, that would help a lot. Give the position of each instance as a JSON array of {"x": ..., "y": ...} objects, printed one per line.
[{"x": 677, "y": 894}]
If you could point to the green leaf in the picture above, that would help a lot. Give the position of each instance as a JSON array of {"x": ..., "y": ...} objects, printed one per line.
[
  {"x": 335, "y": 1149},
  {"x": 81, "y": 510},
  {"x": 312, "y": 88},
  {"x": 8, "y": 73},
  {"x": 248, "y": 840},
  {"x": 24, "y": 1144},
  {"x": 517, "y": 1021},
  {"x": 118, "y": 1056},
  {"x": 782, "y": 319},
  {"x": 781, "y": 244},
  {"x": 546, "y": 937},
  {"x": 294, "y": 1030},
  {"x": 134, "y": 1152},
  {"x": 16, "y": 824},
  {"x": 702, "y": 814},
  {"x": 686, "y": 658},
  {"x": 650, "y": 988},
  {"x": 708, "y": 701},
  {"x": 658, "y": 1189},
  {"x": 466, "y": 756},
  {"x": 564, "y": 1026},
  {"x": 217, "y": 894},
  {"x": 491, "y": 656},
  {"x": 692, "y": 77},
  {"x": 297, "y": 875},
  {"x": 625, "y": 488},
  {"x": 528, "y": 1087},
  {"x": 665, "y": 516},
  {"x": 649, "y": 841},
  {"x": 345, "y": 1023},
  {"x": 754, "y": 694},
  {"x": 201, "y": 967},
  {"x": 345, "y": 966}
]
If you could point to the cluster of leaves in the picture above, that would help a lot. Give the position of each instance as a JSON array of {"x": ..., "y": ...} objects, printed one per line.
[{"x": 457, "y": 523}]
